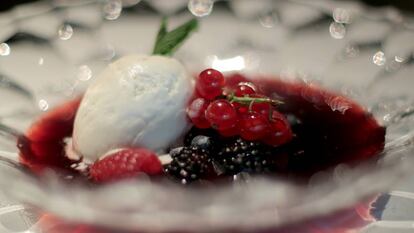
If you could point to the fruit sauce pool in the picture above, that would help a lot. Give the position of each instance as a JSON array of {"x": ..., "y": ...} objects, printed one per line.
[{"x": 328, "y": 129}]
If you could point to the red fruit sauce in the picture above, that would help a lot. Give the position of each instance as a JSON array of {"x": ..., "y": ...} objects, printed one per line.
[
  {"x": 43, "y": 145},
  {"x": 329, "y": 129}
]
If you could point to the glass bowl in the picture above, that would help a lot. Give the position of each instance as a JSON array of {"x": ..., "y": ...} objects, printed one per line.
[{"x": 52, "y": 50}]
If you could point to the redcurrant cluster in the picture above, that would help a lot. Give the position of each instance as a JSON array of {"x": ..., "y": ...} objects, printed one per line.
[{"x": 237, "y": 111}]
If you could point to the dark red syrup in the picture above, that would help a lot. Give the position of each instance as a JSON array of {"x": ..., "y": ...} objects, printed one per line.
[
  {"x": 43, "y": 145},
  {"x": 329, "y": 129}
]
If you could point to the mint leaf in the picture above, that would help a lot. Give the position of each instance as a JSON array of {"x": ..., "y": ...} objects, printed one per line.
[
  {"x": 161, "y": 32},
  {"x": 168, "y": 42}
]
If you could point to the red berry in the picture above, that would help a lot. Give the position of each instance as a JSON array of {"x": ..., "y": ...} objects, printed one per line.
[
  {"x": 221, "y": 115},
  {"x": 254, "y": 126},
  {"x": 262, "y": 108},
  {"x": 210, "y": 84},
  {"x": 232, "y": 81},
  {"x": 240, "y": 108},
  {"x": 127, "y": 163},
  {"x": 280, "y": 130},
  {"x": 196, "y": 113},
  {"x": 245, "y": 89},
  {"x": 233, "y": 131}
]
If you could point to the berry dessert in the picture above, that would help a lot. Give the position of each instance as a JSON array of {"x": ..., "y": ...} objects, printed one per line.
[{"x": 146, "y": 115}]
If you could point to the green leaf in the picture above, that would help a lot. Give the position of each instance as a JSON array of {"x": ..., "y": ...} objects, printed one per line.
[
  {"x": 161, "y": 32},
  {"x": 168, "y": 42}
]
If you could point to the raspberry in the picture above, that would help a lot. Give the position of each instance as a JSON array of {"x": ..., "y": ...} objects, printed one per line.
[{"x": 127, "y": 163}]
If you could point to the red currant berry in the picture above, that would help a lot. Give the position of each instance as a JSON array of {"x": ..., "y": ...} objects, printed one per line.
[
  {"x": 210, "y": 84},
  {"x": 196, "y": 112},
  {"x": 254, "y": 126},
  {"x": 221, "y": 115},
  {"x": 280, "y": 130},
  {"x": 233, "y": 131},
  {"x": 240, "y": 108},
  {"x": 262, "y": 108},
  {"x": 245, "y": 89},
  {"x": 232, "y": 81}
]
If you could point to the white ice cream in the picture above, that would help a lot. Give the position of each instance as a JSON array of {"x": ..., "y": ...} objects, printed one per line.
[{"x": 137, "y": 101}]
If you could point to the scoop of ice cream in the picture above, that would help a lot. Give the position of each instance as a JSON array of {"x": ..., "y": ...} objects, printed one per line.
[{"x": 137, "y": 101}]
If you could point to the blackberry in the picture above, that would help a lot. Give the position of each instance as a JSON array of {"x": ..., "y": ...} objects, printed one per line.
[
  {"x": 239, "y": 155},
  {"x": 194, "y": 132},
  {"x": 203, "y": 142},
  {"x": 189, "y": 164}
]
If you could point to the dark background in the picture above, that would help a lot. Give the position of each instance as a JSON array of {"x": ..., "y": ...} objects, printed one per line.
[{"x": 406, "y": 5}]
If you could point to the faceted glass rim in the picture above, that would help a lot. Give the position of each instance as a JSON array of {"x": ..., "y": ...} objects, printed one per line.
[{"x": 258, "y": 203}]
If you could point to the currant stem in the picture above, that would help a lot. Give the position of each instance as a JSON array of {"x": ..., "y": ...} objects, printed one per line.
[{"x": 246, "y": 100}]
